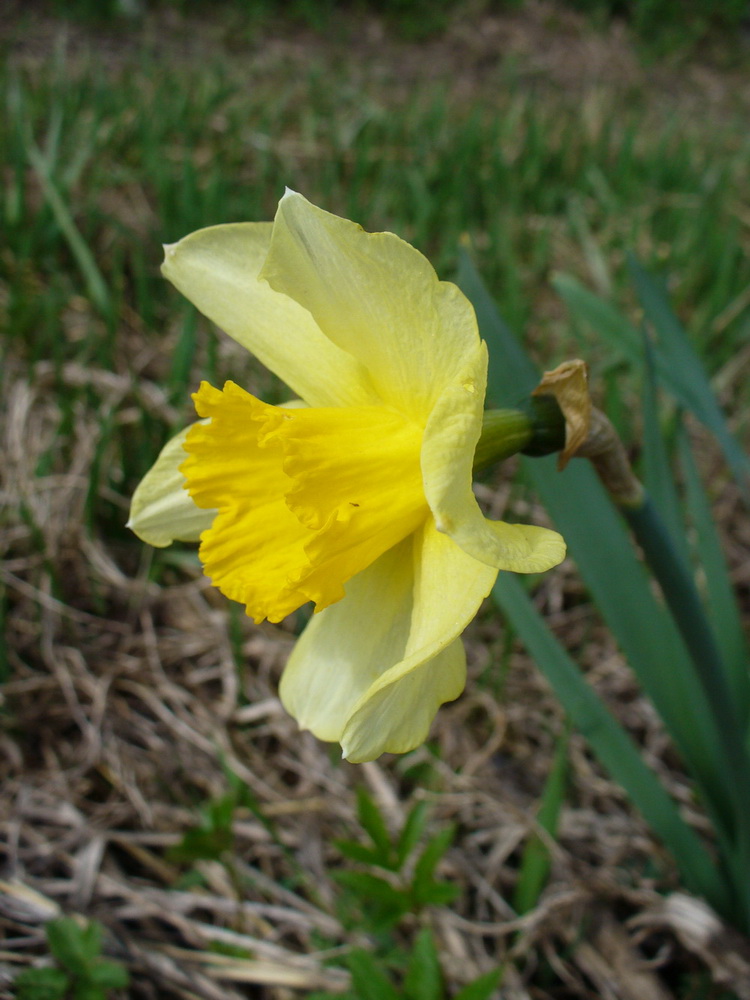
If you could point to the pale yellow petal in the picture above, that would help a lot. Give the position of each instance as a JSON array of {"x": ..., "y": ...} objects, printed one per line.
[
  {"x": 161, "y": 510},
  {"x": 217, "y": 269},
  {"x": 395, "y": 713},
  {"x": 377, "y": 298},
  {"x": 362, "y": 672},
  {"x": 396, "y": 718},
  {"x": 346, "y": 647},
  {"x": 450, "y": 439}
]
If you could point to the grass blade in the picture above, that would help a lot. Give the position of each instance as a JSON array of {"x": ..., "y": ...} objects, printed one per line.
[
  {"x": 512, "y": 374},
  {"x": 95, "y": 285}
]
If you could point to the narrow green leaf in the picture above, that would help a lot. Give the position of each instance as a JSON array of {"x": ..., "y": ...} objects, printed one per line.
[
  {"x": 412, "y": 830},
  {"x": 433, "y": 893},
  {"x": 359, "y": 852},
  {"x": 595, "y": 258},
  {"x": 220, "y": 813},
  {"x": 657, "y": 469},
  {"x": 85, "y": 990},
  {"x": 108, "y": 975},
  {"x": 74, "y": 946},
  {"x": 687, "y": 376},
  {"x": 535, "y": 862},
  {"x": 599, "y": 543},
  {"x": 382, "y": 904},
  {"x": 97, "y": 289},
  {"x": 200, "y": 844},
  {"x": 373, "y": 823},
  {"x": 602, "y": 317},
  {"x": 684, "y": 602},
  {"x": 610, "y": 742},
  {"x": 433, "y": 852},
  {"x": 41, "y": 984},
  {"x": 597, "y": 539},
  {"x": 512, "y": 375},
  {"x": 183, "y": 354},
  {"x": 368, "y": 979},
  {"x": 370, "y": 887},
  {"x": 722, "y": 599},
  {"x": 482, "y": 987},
  {"x": 423, "y": 980},
  {"x": 425, "y": 888},
  {"x": 678, "y": 366}
]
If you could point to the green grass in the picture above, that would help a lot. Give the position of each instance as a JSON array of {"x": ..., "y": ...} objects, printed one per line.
[
  {"x": 101, "y": 164},
  {"x": 537, "y": 180}
]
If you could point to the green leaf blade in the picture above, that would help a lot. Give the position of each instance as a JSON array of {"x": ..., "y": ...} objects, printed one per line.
[{"x": 423, "y": 980}]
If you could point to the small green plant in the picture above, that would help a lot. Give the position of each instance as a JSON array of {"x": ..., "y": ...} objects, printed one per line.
[
  {"x": 212, "y": 836},
  {"x": 381, "y": 901},
  {"x": 81, "y": 972},
  {"x": 420, "y": 979}
]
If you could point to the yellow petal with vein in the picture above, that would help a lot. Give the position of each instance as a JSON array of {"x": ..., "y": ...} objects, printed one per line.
[
  {"x": 376, "y": 297},
  {"x": 217, "y": 270}
]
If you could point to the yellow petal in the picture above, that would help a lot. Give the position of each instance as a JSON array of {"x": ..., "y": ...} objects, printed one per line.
[
  {"x": 376, "y": 297},
  {"x": 307, "y": 497},
  {"x": 217, "y": 269},
  {"x": 397, "y": 717},
  {"x": 161, "y": 510},
  {"x": 450, "y": 439},
  {"x": 372, "y": 670},
  {"x": 345, "y": 648}
]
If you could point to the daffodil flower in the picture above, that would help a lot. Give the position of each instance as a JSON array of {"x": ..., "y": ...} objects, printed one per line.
[{"x": 359, "y": 499}]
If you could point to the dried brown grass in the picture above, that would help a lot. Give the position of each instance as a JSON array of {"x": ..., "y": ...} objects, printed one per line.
[{"x": 125, "y": 701}]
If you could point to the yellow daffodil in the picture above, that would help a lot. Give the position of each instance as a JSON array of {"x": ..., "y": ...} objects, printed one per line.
[{"x": 360, "y": 499}]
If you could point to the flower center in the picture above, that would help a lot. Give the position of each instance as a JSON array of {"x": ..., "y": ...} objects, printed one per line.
[{"x": 306, "y": 497}]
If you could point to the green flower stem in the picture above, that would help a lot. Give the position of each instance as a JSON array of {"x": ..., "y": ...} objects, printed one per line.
[{"x": 538, "y": 429}]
